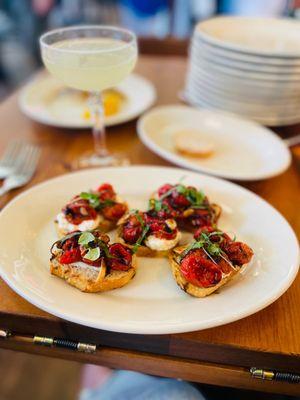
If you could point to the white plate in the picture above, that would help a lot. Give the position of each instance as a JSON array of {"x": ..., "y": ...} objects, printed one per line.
[
  {"x": 244, "y": 94},
  {"x": 39, "y": 101},
  {"x": 151, "y": 303},
  {"x": 235, "y": 79},
  {"x": 262, "y": 36},
  {"x": 244, "y": 150},
  {"x": 260, "y": 60},
  {"x": 259, "y": 107},
  {"x": 242, "y": 73},
  {"x": 201, "y": 50},
  {"x": 271, "y": 119}
]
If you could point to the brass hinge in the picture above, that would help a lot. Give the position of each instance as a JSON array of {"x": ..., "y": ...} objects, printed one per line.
[
  {"x": 274, "y": 375},
  {"x": 51, "y": 342}
]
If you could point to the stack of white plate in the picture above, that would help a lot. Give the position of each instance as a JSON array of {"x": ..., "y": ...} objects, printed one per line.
[{"x": 249, "y": 66}]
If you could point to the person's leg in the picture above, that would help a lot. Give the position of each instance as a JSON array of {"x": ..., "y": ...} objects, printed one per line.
[{"x": 127, "y": 385}]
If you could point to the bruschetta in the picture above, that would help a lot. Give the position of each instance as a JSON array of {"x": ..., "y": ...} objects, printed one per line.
[
  {"x": 97, "y": 209},
  {"x": 89, "y": 262},
  {"x": 209, "y": 262},
  {"x": 148, "y": 235},
  {"x": 189, "y": 206}
]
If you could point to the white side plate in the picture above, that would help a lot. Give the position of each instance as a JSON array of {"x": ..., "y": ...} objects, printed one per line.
[
  {"x": 39, "y": 101},
  {"x": 244, "y": 150}
]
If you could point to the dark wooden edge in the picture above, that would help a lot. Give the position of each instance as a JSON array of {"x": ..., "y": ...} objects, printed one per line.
[
  {"x": 169, "y": 345},
  {"x": 163, "y": 47},
  {"x": 165, "y": 366}
]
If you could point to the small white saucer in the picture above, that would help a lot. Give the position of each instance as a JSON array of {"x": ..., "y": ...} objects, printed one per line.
[
  {"x": 40, "y": 101},
  {"x": 243, "y": 149}
]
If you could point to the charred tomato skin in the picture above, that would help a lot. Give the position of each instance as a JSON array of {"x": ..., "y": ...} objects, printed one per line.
[
  {"x": 131, "y": 230},
  {"x": 114, "y": 212},
  {"x": 79, "y": 210},
  {"x": 199, "y": 270},
  {"x": 238, "y": 253},
  {"x": 70, "y": 256},
  {"x": 164, "y": 189},
  {"x": 121, "y": 257},
  {"x": 106, "y": 192}
]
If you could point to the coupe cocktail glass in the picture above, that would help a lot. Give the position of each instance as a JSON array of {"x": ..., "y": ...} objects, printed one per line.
[{"x": 91, "y": 58}]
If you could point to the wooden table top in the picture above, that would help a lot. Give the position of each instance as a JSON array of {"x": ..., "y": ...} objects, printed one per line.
[{"x": 269, "y": 338}]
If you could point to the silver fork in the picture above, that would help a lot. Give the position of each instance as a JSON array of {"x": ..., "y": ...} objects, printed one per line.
[
  {"x": 24, "y": 170},
  {"x": 10, "y": 157}
]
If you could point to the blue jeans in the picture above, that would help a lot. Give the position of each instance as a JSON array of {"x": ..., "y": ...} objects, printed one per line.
[{"x": 127, "y": 385}]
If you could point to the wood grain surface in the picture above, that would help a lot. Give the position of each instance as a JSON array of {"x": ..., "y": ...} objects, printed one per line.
[{"x": 270, "y": 338}]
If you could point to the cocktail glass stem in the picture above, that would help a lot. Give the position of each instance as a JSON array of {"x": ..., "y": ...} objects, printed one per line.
[{"x": 97, "y": 111}]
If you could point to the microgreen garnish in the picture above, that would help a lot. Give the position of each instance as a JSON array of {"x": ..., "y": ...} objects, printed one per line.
[
  {"x": 211, "y": 249},
  {"x": 95, "y": 201},
  {"x": 195, "y": 197},
  {"x": 92, "y": 198},
  {"x": 157, "y": 205},
  {"x": 145, "y": 229},
  {"x": 94, "y": 245},
  {"x": 93, "y": 254},
  {"x": 85, "y": 238},
  {"x": 141, "y": 238}
]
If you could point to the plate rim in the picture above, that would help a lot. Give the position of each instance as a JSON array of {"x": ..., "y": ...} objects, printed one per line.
[
  {"x": 185, "y": 164},
  {"x": 268, "y": 54},
  {"x": 188, "y": 327}
]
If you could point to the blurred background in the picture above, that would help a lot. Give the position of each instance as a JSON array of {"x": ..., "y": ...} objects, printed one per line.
[{"x": 22, "y": 21}]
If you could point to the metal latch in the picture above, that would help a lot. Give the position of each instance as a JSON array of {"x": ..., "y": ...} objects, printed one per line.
[
  {"x": 51, "y": 342},
  {"x": 274, "y": 375}
]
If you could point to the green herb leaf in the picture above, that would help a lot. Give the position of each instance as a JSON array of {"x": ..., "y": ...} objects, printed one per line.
[
  {"x": 85, "y": 238},
  {"x": 192, "y": 246},
  {"x": 181, "y": 188},
  {"x": 93, "y": 254},
  {"x": 106, "y": 203},
  {"x": 92, "y": 198},
  {"x": 213, "y": 249},
  {"x": 140, "y": 239},
  {"x": 103, "y": 246}
]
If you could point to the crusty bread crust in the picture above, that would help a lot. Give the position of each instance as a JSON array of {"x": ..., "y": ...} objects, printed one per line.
[
  {"x": 104, "y": 226},
  {"x": 188, "y": 287},
  {"x": 91, "y": 279}
]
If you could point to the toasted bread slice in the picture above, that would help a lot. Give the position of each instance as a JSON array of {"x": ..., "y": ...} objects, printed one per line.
[
  {"x": 104, "y": 226},
  {"x": 92, "y": 279},
  {"x": 190, "y": 143},
  {"x": 188, "y": 287}
]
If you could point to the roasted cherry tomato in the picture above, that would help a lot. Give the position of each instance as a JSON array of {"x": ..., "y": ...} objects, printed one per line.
[
  {"x": 70, "y": 243},
  {"x": 70, "y": 256},
  {"x": 114, "y": 212},
  {"x": 164, "y": 189},
  {"x": 200, "y": 271},
  {"x": 106, "y": 192},
  {"x": 121, "y": 257},
  {"x": 201, "y": 218},
  {"x": 132, "y": 229},
  {"x": 179, "y": 200},
  {"x": 203, "y": 229},
  {"x": 78, "y": 211},
  {"x": 131, "y": 233},
  {"x": 238, "y": 253},
  {"x": 105, "y": 186}
]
